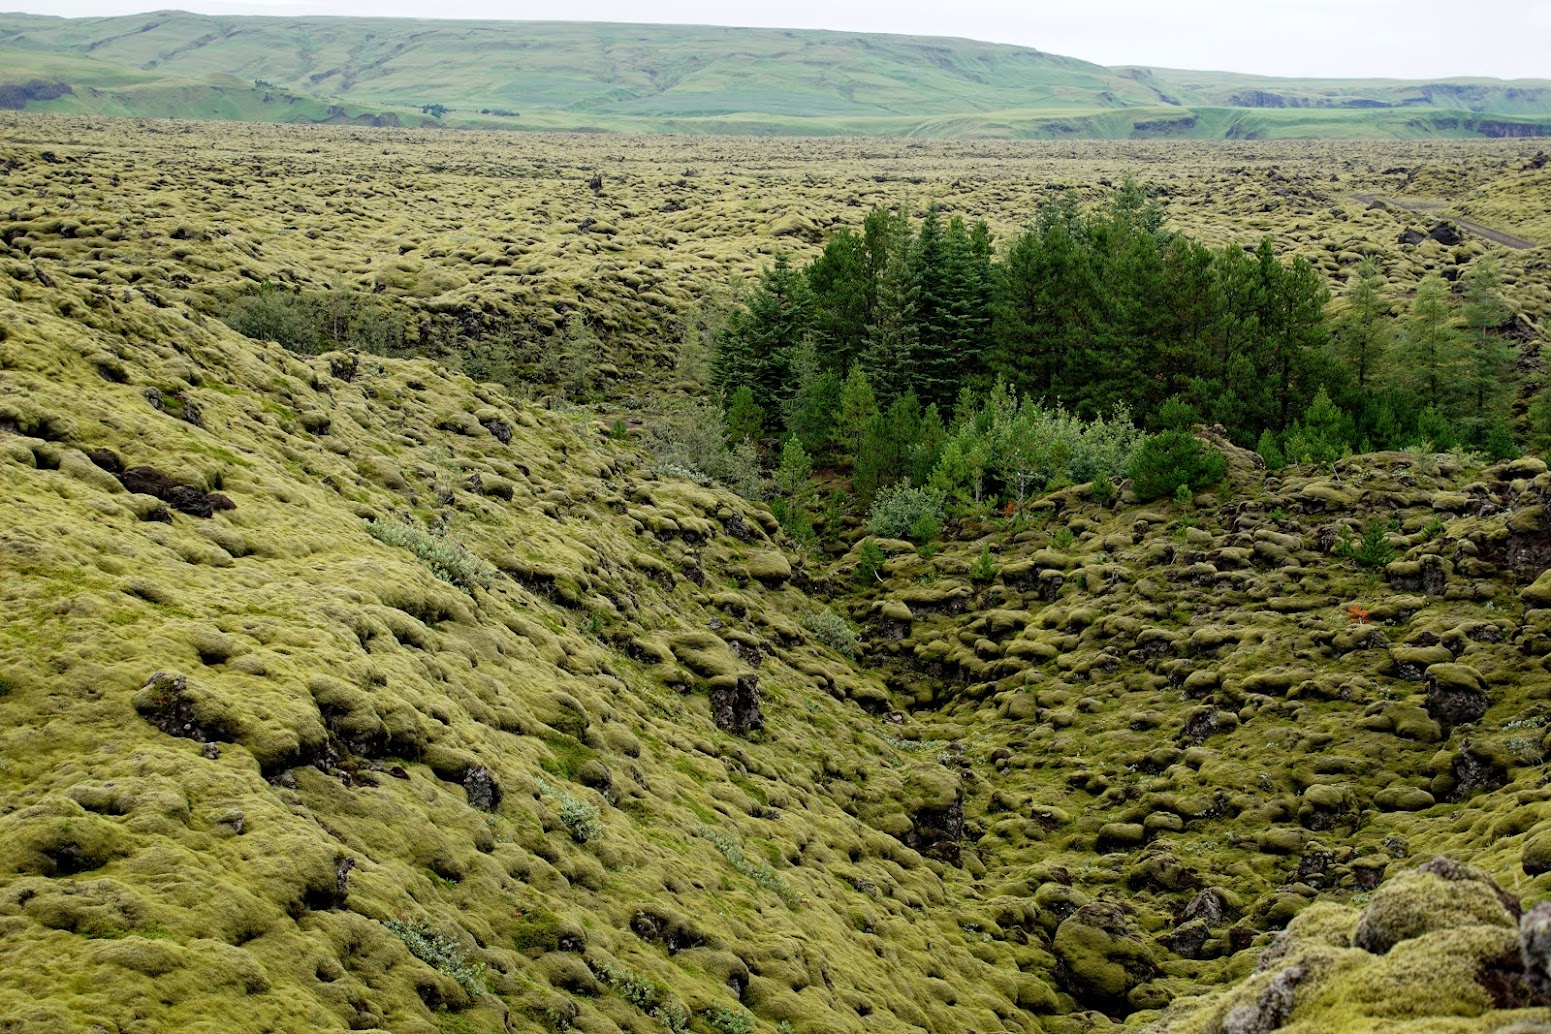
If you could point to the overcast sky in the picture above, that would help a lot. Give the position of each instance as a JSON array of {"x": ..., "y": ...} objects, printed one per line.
[{"x": 1410, "y": 39}]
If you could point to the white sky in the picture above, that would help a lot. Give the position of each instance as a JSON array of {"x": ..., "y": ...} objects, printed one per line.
[{"x": 1411, "y": 39}]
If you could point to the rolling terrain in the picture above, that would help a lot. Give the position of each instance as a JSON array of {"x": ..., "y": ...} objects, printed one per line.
[
  {"x": 695, "y": 79},
  {"x": 356, "y": 692}
]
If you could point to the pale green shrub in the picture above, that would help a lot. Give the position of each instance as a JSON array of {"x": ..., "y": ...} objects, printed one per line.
[{"x": 440, "y": 952}]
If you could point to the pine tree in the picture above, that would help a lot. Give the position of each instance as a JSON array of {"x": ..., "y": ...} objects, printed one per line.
[
  {"x": 756, "y": 346},
  {"x": 1041, "y": 317},
  {"x": 885, "y": 453},
  {"x": 928, "y": 446},
  {"x": 1323, "y": 435},
  {"x": 745, "y": 418},
  {"x": 1430, "y": 349},
  {"x": 890, "y": 353},
  {"x": 952, "y": 267},
  {"x": 858, "y": 407},
  {"x": 1293, "y": 324},
  {"x": 1362, "y": 331},
  {"x": 1490, "y": 357},
  {"x": 810, "y": 411},
  {"x": 579, "y": 356},
  {"x": 844, "y": 295},
  {"x": 796, "y": 495}
]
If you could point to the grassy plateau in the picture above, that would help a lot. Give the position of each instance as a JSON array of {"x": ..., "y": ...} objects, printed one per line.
[{"x": 695, "y": 79}]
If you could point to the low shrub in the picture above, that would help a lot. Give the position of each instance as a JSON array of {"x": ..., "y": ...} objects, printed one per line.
[
  {"x": 1372, "y": 550},
  {"x": 983, "y": 569},
  {"x": 903, "y": 511},
  {"x": 833, "y": 631},
  {"x": 1172, "y": 459},
  {"x": 726, "y": 1019},
  {"x": 448, "y": 560},
  {"x": 754, "y": 869},
  {"x": 440, "y": 952},
  {"x": 579, "y": 818},
  {"x": 644, "y": 993},
  {"x": 869, "y": 561}
]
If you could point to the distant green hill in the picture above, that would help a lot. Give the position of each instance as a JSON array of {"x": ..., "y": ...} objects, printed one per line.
[{"x": 657, "y": 78}]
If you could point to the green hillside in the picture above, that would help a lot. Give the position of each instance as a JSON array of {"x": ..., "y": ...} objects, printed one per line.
[{"x": 654, "y": 78}]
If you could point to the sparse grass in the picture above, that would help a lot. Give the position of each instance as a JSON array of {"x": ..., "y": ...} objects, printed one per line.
[
  {"x": 645, "y": 994},
  {"x": 756, "y": 870}
]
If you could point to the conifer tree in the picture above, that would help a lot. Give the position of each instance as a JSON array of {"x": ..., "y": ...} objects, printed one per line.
[
  {"x": 890, "y": 353},
  {"x": 1362, "y": 332},
  {"x": 755, "y": 347},
  {"x": 579, "y": 356},
  {"x": 951, "y": 266},
  {"x": 844, "y": 294},
  {"x": 796, "y": 495},
  {"x": 745, "y": 418},
  {"x": 1322, "y": 436},
  {"x": 811, "y": 409},
  {"x": 927, "y": 450},
  {"x": 858, "y": 407},
  {"x": 1490, "y": 357},
  {"x": 1430, "y": 348},
  {"x": 885, "y": 453}
]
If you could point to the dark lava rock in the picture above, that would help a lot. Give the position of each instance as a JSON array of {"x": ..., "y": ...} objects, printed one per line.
[
  {"x": 1188, "y": 940},
  {"x": 1446, "y": 234},
  {"x": 735, "y": 704},
  {"x": 164, "y": 702},
  {"x": 1211, "y": 907},
  {"x": 1456, "y": 694},
  {"x": 185, "y": 498},
  {"x": 1270, "y": 1009},
  {"x": 499, "y": 429},
  {"x": 1535, "y": 949},
  {"x": 1472, "y": 773},
  {"x": 483, "y": 791},
  {"x": 673, "y": 931}
]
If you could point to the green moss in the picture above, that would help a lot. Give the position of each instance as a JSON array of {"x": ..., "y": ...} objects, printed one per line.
[
  {"x": 538, "y": 931},
  {"x": 1417, "y": 903},
  {"x": 339, "y": 699}
]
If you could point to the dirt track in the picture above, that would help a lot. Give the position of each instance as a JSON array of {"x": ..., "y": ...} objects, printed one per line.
[{"x": 1507, "y": 240}]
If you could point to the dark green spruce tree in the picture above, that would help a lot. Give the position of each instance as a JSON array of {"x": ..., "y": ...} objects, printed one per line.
[{"x": 757, "y": 345}]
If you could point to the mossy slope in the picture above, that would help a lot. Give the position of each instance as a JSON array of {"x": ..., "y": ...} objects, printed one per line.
[
  {"x": 1189, "y": 723},
  {"x": 236, "y": 745}
]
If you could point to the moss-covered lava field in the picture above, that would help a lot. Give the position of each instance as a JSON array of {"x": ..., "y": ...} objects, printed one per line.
[{"x": 354, "y": 692}]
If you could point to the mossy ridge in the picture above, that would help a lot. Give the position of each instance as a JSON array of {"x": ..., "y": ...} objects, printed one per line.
[{"x": 356, "y": 740}]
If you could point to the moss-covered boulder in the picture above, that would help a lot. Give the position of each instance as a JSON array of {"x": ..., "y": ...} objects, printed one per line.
[
  {"x": 1103, "y": 956},
  {"x": 769, "y": 567},
  {"x": 1424, "y": 900},
  {"x": 1456, "y": 694}
]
